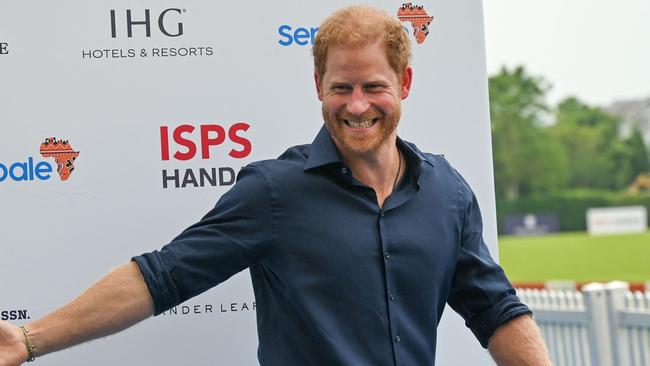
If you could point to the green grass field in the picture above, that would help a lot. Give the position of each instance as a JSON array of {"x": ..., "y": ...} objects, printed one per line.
[{"x": 576, "y": 256}]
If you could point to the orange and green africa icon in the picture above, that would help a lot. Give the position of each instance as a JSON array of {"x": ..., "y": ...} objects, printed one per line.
[
  {"x": 419, "y": 19},
  {"x": 62, "y": 153}
]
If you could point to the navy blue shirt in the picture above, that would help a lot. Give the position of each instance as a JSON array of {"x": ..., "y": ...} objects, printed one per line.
[{"x": 337, "y": 279}]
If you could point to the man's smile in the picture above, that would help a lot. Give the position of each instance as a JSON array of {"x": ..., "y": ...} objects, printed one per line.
[{"x": 360, "y": 124}]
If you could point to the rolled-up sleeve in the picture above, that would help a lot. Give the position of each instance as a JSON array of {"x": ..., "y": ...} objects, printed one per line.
[
  {"x": 228, "y": 239},
  {"x": 480, "y": 291}
]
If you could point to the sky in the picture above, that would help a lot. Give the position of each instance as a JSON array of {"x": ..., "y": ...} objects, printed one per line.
[{"x": 596, "y": 50}]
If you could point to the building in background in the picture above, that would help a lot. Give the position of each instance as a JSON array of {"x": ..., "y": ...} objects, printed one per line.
[{"x": 634, "y": 114}]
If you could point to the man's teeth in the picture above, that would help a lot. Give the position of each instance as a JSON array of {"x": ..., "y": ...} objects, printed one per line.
[{"x": 361, "y": 124}]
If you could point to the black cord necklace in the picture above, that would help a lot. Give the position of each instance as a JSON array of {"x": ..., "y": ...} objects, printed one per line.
[{"x": 399, "y": 168}]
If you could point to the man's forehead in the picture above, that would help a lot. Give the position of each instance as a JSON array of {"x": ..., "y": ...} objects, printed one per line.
[{"x": 362, "y": 62}]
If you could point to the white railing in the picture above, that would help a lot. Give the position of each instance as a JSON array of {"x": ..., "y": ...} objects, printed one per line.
[{"x": 604, "y": 325}]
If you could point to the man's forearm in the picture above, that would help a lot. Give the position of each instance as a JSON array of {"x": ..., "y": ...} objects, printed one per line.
[
  {"x": 519, "y": 343},
  {"x": 116, "y": 302}
]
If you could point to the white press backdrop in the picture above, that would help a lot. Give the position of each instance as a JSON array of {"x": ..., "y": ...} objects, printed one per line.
[{"x": 64, "y": 75}]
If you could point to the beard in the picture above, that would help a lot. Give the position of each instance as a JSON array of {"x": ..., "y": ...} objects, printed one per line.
[{"x": 358, "y": 143}]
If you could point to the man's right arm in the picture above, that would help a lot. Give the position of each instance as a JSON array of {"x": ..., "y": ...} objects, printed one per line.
[{"x": 116, "y": 302}]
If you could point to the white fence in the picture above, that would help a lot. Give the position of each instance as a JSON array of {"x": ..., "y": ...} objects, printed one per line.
[{"x": 604, "y": 325}]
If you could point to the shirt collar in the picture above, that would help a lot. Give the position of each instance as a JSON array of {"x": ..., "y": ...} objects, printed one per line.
[
  {"x": 323, "y": 151},
  {"x": 412, "y": 153}
]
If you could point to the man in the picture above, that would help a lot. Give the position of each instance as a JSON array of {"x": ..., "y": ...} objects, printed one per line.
[{"x": 354, "y": 243}]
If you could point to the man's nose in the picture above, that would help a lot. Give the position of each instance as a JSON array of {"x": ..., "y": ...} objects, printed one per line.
[{"x": 358, "y": 103}]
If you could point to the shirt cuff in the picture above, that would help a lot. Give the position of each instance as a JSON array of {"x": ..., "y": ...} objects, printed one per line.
[
  {"x": 484, "y": 325},
  {"x": 159, "y": 282}
]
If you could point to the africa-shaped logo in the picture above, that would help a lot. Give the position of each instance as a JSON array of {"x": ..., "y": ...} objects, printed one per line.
[
  {"x": 419, "y": 19},
  {"x": 63, "y": 155}
]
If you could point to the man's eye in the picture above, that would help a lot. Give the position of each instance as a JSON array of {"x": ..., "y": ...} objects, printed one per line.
[
  {"x": 340, "y": 88},
  {"x": 373, "y": 87}
]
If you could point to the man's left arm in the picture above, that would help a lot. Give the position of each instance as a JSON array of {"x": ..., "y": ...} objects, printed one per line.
[
  {"x": 483, "y": 296},
  {"x": 518, "y": 343}
]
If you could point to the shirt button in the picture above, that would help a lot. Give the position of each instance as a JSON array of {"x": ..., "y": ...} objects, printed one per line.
[
  {"x": 344, "y": 170},
  {"x": 392, "y": 297},
  {"x": 387, "y": 254},
  {"x": 397, "y": 339}
]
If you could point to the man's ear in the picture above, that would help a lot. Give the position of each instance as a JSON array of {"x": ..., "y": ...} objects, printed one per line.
[
  {"x": 407, "y": 78},
  {"x": 319, "y": 87}
]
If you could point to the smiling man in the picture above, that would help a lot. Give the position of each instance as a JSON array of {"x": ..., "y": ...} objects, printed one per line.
[
  {"x": 355, "y": 242},
  {"x": 361, "y": 97}
]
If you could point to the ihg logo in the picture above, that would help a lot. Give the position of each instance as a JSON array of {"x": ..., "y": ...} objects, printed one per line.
[{"x": 166, "y": 26}]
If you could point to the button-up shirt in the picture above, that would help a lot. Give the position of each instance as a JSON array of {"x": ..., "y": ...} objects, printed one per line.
[{"x": 339, "y": 280}]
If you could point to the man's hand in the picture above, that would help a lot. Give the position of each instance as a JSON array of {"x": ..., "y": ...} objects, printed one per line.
[
  {"x": 519, "y": 343},
  {"x": 12, "y": 347}
]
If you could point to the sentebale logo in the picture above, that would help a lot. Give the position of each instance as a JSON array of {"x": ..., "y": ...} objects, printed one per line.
[
  {"x": 63, "y": 155},
  {"x": 419, "y": 19},
  {"x": 30, "y": 169},
  {"x": 300, "y": 36}
]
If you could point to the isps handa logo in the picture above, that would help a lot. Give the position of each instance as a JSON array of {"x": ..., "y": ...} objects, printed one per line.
[
  {"x": 205, "y": 143},
  {"x": 32, "y": 170},
  {"x": 419, "y": 19}
]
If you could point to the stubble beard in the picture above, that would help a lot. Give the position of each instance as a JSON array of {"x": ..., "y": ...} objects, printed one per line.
[{"x": 343, "y": 141}]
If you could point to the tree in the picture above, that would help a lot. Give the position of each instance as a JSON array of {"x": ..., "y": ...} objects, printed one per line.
[
  {"x": 598, "y": 156},
  {"x": 637, "y": 159},
  {"x": 527, "y": 160}
]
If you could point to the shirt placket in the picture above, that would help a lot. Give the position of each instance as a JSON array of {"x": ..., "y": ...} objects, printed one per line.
[
  {"x": 399, "y": 197},
  {"x": 390, "y": 284}
]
